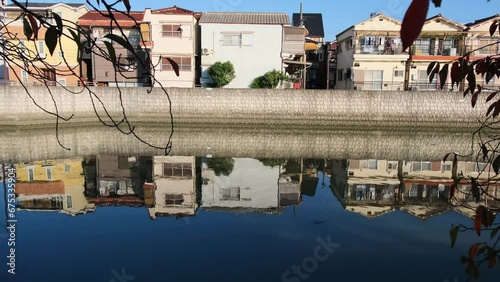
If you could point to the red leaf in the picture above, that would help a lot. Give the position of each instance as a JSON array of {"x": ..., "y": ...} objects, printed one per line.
[
  {"x": 475, "y": 95},
  {"x": 413, "y": 22},
  {"x": 491, "y": 96},
  {"x": 127, "y": 5},
  {"x": 175, "y": 66},
  {"x": 496, "y": 112},
  {"x": 455, "y": 73},
  {"x": 473, "y": 251},
  {"x": 477, "y": 224},
  {"x": 34, "y": 26},
  {"x": 493, "y": 28}
]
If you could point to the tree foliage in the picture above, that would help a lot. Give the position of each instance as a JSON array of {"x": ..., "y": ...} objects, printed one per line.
[
  {"x": 270, "y": 79},
  {"x": 221, "y": 73},
  {"x": 221, "y": 166}
]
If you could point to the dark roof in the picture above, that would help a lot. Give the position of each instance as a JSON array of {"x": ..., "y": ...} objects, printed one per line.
[
  {"x": 313, "y": 22},
  {"x": 46, "y": 5},
  {"x": 245, "y": 18},
  {"x": 482, "y": 20}
]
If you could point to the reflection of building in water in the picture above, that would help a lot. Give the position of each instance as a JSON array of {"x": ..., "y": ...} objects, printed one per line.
[
  {"x": 376, "y": 187},
  {"x": 173, "y": 192},
  {"x": 52, "y": 185},
  {"x": 117, "y": 180},
  {"x": 250, "y": 187}
]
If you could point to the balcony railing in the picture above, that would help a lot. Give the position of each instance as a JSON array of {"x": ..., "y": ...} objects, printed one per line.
[
  {"x": 379, "y": 45},
  {"x": 414, "y": 86}
]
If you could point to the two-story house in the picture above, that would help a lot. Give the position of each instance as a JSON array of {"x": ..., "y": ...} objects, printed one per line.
[
  {"x": 172, "y": 33},
  {"x": 441, "y": 40},
  {"x": 59, "y": 68},
  {"x": 252, "y": 42},
  {"x": 479, "y": 39},
  {"x": 370, "y": 55},
  {"x": 96, "y": 69}
]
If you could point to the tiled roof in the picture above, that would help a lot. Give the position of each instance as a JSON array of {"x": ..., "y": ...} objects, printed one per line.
[
  {"x": 480, "y": 21},
  {"x": 173, "y": 11},
  {"x": 43, "y": 5},
  {"x": 313, "y": 22},
  {"x": 95, "y": 18},
  {"x": 245, "y": 18},
  {"x": 40, "y": 188}
]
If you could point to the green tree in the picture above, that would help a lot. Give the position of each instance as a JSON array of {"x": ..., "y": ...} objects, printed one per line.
[
  {"x": 221, "y": 73},
  {"x": 270, "y": 79},
  {"x": 222, "y": 166}
]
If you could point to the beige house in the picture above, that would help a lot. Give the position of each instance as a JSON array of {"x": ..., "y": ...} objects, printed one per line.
[
  {"x": 172, "y": 33},
  {"x": 174, "y": 186}
]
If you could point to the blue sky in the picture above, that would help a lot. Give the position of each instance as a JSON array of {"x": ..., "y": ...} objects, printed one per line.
[{"x": 337, "y": 15}]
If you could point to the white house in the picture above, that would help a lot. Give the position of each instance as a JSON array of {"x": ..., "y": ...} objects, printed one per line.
[
  {"x": 252, "y": 42},
  {"x": 172, "y": 33},
  {"x": 175, "y": 186},
  {"x": 250, "y": 185}
]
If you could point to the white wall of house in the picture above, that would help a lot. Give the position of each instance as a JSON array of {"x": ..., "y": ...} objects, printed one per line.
[
  {"x": 258, "y": 52},
  {"x": 257, "y": 185},
  {"x": 183, "y": 45}
]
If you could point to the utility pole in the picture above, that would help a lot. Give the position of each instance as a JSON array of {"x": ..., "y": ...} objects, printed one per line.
[
  {"x": 304, "y": 59},
  {"x": 329, "y": 55}
]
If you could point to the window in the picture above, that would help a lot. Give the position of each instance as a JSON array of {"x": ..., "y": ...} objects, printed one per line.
[
  {"x": 231, "y": 194},
  {"x": 392, "y": 165},
  {"x": 41, "y": 50},
  {"x": 177, "y": 170},
  {"x": 340, "y": 75},
  {"x": 173, "y": 199},
  {"x": 31, "y": 174},
  {"x": 448, "y": 47},
  {"x": 348, "y": 44},
  {"x": 421, "y": 166},
  {"x": 399, "y": 73},
  {"x": 169, "y": 30},
  {"x": 49, "y": 173},
  {"x": 479, "y": 167},
  {"x": 232, "y": 40},
  {"x": 60, "y": 54},
  {"x": 183, "y": 62},
  {"x": 67, "y": 168},
  {"x": 373, "y": 79},
  {"x": 423, "y": 46},
  {"x": 69, "y": 201},
  {"x": 490, "y": 50},
  {"x": 372, "y": 164},
  {"x": 446, "y": 167},
  {"x": 62, "y": 81},
  {"x": 24, "y": 76}
]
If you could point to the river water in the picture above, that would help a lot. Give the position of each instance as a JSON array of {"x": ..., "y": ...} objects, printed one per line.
[{"x": 236, "y": 204}]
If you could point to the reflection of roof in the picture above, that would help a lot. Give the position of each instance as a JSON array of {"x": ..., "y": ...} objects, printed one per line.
[
  {"x": 40, "y": 188},
  {"x": 130, "y": 201},
  {"x": 45, "y": 5},
  {"x": 308, "y": 186},
  {"x": 277, "y": 210},
  {"x": 424, "y": 212},
  {"x": 245, "y": 18},
  {"x": 370, "y": 211},
  {"x": 96, "y": 18}
]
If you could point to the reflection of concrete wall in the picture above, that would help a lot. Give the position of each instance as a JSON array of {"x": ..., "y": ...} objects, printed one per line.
[{"x": 258, "y": 186}]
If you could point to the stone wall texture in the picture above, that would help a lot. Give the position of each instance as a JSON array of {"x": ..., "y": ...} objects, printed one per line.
[{"x": 335, "y": 108}]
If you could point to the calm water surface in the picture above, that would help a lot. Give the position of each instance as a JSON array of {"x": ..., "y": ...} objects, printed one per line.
[{"x": 128, "y": 217}]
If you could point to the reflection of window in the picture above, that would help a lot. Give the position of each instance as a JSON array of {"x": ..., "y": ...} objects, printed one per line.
[
  {"x": 184, "y": 63},
  {"x": 413, "y": 191},
  {"x": 173, "y": 199},
  {"x": 446, "y": 167},
  {"x": 41, "y": 50},
  {"x": 392, "y": 165},
  {"x": 479, "y": 167},
  {"x": 170, "y": 30},
  {"x": 421, "y": 166},
  {"x": 231, "y": 194},
  {"x": 31, "y": 174},
  {"x": 67, "y": 168},
  {"x": 372, "y": 164},
  {"x": 49, "y": 173},
  {"x": 69, "y": 201},
  {"x": 177, "y": 170}
]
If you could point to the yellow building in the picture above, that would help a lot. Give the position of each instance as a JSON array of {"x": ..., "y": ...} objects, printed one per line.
[
  {"x": 52, "y": 185},
  {"x": 58, "y": 67}
]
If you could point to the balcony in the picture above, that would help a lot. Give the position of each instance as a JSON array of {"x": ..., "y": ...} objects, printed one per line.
[
  {"x": 436, "y": 47},
  {"x": 379, "y": 45}
]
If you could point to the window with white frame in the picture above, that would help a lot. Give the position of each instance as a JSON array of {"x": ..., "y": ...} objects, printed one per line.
[
  {"x": 479, "y": 167},
  {"x": 230, "y": 194},
  {"x": 184, "y": 63},
  {"x": 421, "y": 166},
  {"x": 232, "y": 39},
  {"x": 392, "y": 165},
  {"x": 31, "y": 174},
  {"x": 372, "y": 164},
  {"x": 41, "y": 48},
  {"x": 171, "y": 30},
  {"x": 184, "y": 170},
  {"x": 492, "y": 49},
  {"x": 446, "y": 166},
  {"x": 399, "y": 73},
  {"x": 69, "y": 201},
  {"x": 49, "y": 173},
  {"x": 173, "y": 199}
]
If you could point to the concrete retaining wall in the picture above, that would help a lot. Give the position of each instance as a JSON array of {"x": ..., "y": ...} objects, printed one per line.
[{"x": 247, "y": 106}]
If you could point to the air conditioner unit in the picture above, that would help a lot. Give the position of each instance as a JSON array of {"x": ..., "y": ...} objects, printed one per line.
[{"x": 206, "y": 51}]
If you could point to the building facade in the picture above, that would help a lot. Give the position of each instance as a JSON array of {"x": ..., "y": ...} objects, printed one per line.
[
  {"x": 61, "y": 68},
  {"x": 252, "y": 42},
  {"x": 173, "y": 33}
]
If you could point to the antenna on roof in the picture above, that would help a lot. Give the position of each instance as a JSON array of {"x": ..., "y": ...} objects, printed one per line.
[
  {"x": 301, "y": 21},
  {"x": 373, "y": 14}
]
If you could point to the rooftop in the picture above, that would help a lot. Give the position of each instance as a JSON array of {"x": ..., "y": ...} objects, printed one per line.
[
  {"x": 245, "y": 18},
  {"x": 96, "y": 18},
  {"x": 44, "y": 5},
  {"x": 313, "y": 22}
]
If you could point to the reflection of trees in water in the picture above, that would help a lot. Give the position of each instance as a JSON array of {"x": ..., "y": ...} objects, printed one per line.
[
  {"x": 221, "y": 166},
  {"x": 273, "y": 162}
]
